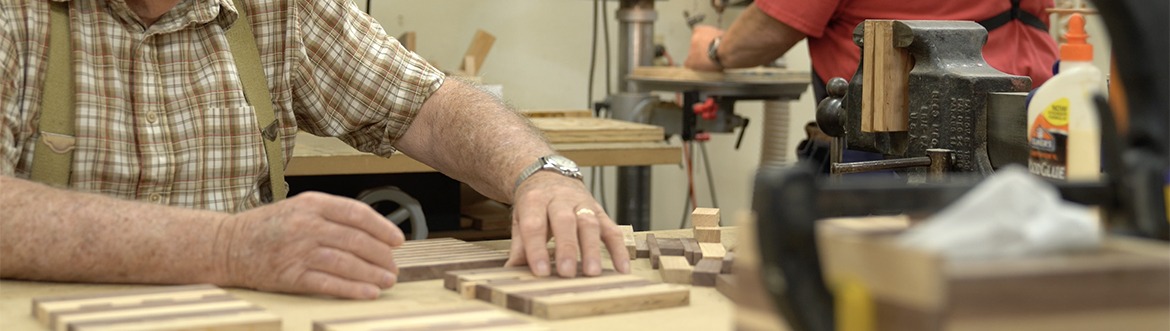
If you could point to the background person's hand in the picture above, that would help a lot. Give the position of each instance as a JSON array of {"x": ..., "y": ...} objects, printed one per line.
[
  {"x": 701, "y": 38},
  {"x": 312, "y": 243},
  {"x": 549, "y": 203}
]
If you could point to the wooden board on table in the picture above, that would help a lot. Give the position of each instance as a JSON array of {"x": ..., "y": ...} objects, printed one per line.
[
  {"x": 595, "y": 130},
  {"x": 452, "y": 318},
  {"x": 556, "y": 113},
  {"x": 431, "y": 258},
  {"x": 559, "y": 298},
  {"x": 202, "y": 307},
  {"x": 749, "y": 75}
]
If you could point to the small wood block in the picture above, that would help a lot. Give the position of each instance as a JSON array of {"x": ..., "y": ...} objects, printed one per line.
[
  {"x": 642, "y": 250},
  {"x": 481, "y": 44},
  {"x": 522, "y": 301},
  {"x": 202, "y": 307},
  {"x": 465, "y": 281},
  {"x": 691, "y": 250},
  {"x": 728, "y": 261},
  {"x": 726, "y": 284},
  {"x": 611, "y": 301},
  {"x": 655, "y": 252},
  {"x": 499, "y": 290},
  {"x": 671, "y": 246},
  {"x": 675, "y": 270},
  {"x": 431, "y": 318},
  {"x": 705, "y": 272},
  {"x": 708, "y": 235},
  {"x": 705, "y": 217},
  {"x": 713, "y": 251},
  {"x": 628, "y": 237},
  {"x": 432, "y": 258}
]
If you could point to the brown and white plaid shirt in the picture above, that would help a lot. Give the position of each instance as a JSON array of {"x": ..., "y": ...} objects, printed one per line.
[{"x": 161, "y": 114}]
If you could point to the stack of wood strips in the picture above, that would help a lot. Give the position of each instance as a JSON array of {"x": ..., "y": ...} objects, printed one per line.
[
  {"x": 558, "y": 298},
  {"x": 596, "y": 130},
  {"x": 430, "y": 258},
  {"x": 194, "y": 307},
  {"x": 477, "y": 318}
]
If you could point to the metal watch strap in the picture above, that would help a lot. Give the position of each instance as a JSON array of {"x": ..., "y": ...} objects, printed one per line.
[
  {"x": 713, "y": 52},
  {"x": 543, "y": 163}
]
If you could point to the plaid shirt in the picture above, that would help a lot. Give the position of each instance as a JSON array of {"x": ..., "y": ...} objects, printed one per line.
[{"x": 161, "y": 115}]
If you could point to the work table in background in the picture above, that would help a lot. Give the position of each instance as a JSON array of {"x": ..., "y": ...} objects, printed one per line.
[
  {"x": 575, "y": 134},
  {"x": 708, "y": 309}
]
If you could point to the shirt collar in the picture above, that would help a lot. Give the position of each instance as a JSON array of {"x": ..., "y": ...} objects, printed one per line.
[{"x": 186, "y": 13}]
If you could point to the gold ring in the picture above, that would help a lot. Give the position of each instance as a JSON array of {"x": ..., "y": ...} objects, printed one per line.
[{"x": 585, "y": 211}]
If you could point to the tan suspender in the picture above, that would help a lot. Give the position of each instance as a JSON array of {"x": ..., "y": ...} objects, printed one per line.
[
  {"x": 53, "y": 157},
  {"x": 247, "y": 57}
]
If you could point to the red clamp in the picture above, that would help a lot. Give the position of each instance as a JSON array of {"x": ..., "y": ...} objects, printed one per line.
[
  {"x": 706, "y": 109},
  {"x": 703, "y": 136}
]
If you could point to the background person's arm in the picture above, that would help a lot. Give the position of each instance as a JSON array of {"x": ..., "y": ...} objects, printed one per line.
[
  {"x": 473, "y": 137},
  {"x": 754, "y": 39}
]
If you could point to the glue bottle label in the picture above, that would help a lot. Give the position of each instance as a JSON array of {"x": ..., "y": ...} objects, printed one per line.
[{"x": 1048, "y": 141}]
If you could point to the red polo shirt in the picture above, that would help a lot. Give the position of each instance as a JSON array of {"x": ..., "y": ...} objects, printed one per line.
[{"x": 1013, "y": 48}]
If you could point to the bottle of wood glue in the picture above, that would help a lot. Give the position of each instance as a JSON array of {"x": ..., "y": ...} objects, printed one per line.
[{"x": 1064, "y": 136}]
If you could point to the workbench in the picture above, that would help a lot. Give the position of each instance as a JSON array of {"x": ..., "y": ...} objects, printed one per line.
[
  {"x": 708, "y": 309},
  {"x": 315, "y": 156}
]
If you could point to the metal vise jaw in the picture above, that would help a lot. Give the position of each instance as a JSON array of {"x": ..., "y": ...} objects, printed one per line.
[{"x": 948, "y": 90}]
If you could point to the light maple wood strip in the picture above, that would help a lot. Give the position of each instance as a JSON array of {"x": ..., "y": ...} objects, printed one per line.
[
  {"x": 869, "y": 78},
  {"x": 611, "y": 301},
  {"x": 596, "y": 130},
  {"x": 250, "y": 321},
  {"x": 499, "y": 293},
  {"x": 42, "y": 310}
]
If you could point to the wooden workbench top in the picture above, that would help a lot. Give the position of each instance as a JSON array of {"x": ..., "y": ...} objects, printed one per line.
[{"x": 708, "y": 310}]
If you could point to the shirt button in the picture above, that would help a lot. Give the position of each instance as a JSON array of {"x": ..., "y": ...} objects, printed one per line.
[
  {"x": 152, "y": 117},
  {"x": 155, "y": 197}
]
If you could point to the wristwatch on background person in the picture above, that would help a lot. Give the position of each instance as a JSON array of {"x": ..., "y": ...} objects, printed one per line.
[
  {"x": 555, "y": 163},
  {"x": 713, "y": 52}
]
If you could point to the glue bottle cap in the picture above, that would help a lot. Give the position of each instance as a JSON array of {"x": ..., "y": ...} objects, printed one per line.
[{"x": 1075, "y": 48}]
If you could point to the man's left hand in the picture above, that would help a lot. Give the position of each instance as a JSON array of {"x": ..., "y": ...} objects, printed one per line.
[{"x": 551, "y": 202}]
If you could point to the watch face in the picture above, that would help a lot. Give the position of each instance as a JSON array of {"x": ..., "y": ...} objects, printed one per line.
[{"x": 562, "y": 162}]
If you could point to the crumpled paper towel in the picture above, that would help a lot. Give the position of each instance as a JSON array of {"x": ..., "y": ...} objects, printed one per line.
[{"x": 1010, "y": 214}]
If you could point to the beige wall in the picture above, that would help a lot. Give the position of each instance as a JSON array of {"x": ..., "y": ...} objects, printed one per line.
[{"x": 541, "y": 58}]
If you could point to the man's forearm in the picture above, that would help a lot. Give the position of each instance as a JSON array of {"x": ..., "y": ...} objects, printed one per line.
[
  {"x": 460, "y": 131},
  {"x": 53, "y": 234},
  {"x": 756, "y": 39}
]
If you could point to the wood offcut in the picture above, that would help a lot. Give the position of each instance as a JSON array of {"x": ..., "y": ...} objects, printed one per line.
[
  {"x": 559, "y": 298},
  {"x": 193, "y": 307},
  {"x": 431, "y": 258}
]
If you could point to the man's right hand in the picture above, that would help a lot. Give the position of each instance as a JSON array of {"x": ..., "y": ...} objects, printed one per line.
[
  {"x": 313, "y": 243},
  {"x": 701, "y": 38}
]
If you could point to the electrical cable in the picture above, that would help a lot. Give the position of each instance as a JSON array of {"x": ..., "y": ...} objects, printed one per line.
[
  {"x": 710, "y": 175},
  {"x": 608, "y": 89},
  {"x": 688, "y": 147},
  {"x": 589, "y": 94}
]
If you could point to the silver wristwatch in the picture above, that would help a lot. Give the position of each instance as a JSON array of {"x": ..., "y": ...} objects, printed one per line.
[{"x": 556, "y": 163}]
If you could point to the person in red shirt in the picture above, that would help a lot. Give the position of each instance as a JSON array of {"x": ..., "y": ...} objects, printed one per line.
[{"x": 1018, "y": 42}]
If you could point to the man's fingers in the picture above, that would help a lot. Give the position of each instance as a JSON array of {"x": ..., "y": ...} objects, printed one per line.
[
  {"x": 360, "y": 244},
  {"x": 357, "y": 215},
  {"x": 516, "y": 256},
  {"x": 616, "y": 244},
  {"x": 322, "y": 283},
  {"x": 345, "y": 265},
  {"x": 563, "y": 222},
  {"x": 589, "y": 232},
  {"x": 534, "y": 234}
]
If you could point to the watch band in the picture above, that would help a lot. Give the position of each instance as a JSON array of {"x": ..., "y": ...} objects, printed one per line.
[
  {"x": 713, "y": 52},
  {"x": 551, "y": 163}
]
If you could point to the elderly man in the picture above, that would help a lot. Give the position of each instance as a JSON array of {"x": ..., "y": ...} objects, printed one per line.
[{"x": 169, "y": 176}]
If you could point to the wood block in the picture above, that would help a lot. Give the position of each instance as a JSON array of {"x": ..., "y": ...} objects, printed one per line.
[
  {"x": 705, "y": 272},
  {"x": 431, "y": 258},
  {"x": 705, "y": 217},
  {"x": 655, "y": 252},
  {"x": 728, "y": 261},
  {"x": 691, "y": 250},
  {"x": 725, "y": 284},
  {"x": 465, "y": 281},
  {"x": 642, "y": 250},
  {"x": 488, "y": 215},
  {"x": 708, "y": 234},
  {"x": 431, "y": 318},
  {"x": 671, "y": 246},
  {"x": 556, "y": 298},
  {"x": 407, "y": 39},
  {"x": 675, "y": 270},
  {"x": 885, "y": 82},
  {"x": 595, "y": 130},
  {"x": 630, "y": 241},
  {"x": 611, "y": 301},
  {"x": 478, "y": 50},
  {"x": 713, "y": 251},
  {"x": 202, "y": 307}
]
